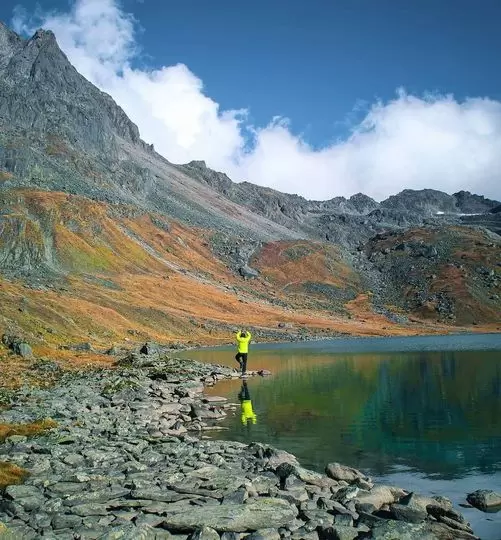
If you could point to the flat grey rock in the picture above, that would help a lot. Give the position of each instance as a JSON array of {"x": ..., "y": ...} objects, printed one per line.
[{"x": 256, "y": 514}]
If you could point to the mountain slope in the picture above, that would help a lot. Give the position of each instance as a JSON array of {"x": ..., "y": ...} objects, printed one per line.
[
  {"x": 103, "y": 240},
  {"x": 59, "y": 132},
  {"x": 447, "y": 274},
  {"x": 76, "y": 270}
]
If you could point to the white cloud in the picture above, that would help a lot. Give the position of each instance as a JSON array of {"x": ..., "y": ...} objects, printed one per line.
[{"x": 413, "y": 142}]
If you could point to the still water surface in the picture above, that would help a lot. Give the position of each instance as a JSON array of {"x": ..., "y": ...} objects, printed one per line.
[{"x": 423, "y": 413}]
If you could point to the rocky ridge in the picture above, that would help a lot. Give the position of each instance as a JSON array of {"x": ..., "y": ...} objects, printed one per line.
[
  {"x": 356, "y": 219},
  {"x": 129, "y": 459},
  {"x": 61, "y": 133}
]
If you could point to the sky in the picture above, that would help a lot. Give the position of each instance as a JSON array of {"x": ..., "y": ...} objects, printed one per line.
[{"x": 320, "y": 97}]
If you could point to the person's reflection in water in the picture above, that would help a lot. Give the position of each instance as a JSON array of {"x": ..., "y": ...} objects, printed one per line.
[{"x": 248, "y": 415}]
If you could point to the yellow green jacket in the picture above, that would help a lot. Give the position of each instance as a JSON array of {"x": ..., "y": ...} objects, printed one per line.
[
  {"x": 248, "y": 413},
  {"x": 243, "y": 342}
]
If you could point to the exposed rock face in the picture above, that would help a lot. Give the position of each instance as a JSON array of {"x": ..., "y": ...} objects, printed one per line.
[
  {"x": 437, "y": 272},
  {"x": 66, "y": 104},
  {"x": 61, "y": 133}
]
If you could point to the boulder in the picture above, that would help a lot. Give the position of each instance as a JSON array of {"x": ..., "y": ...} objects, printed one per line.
[
  {"x": 90, "y": 509},
  {"x": 295, "y": 495},
  {"x": 313, "y": 478},
  {"x": 149, "y": 348},
  {"x": 237, "y": 497},
  {"x": 453, "y": 524},
  {"x": 420, "y": 502},
  {"x": 303, "y": 534},
  {"x": 403, "y": 512},
  {"x": 442, "y": 532},
  {"x": 343, "y": 519},
  {"x": 485, "y": 499},
  {"x": 28, "y": 497},
  {"x": 277, "y": 457},
  {"x": 17, "y": 345},
  {"x": 85, "y": 346},
  {"x": 205, "y": 533},
  {"x": 247, "y": 272},
  {"x": 336, "y": 471},
  {"x": 346, "y": 493},
  {"x": 214, "y": 399},
  {"x": 258, "y": 513},
  {"x": 438, "y": 512},
  {"x": 16, "y": 493},
  {"x": 393, "y": 530},
  {"x": 317, "y": 518},
  {"x": 370, "y": 501},
  {"x": 262, "y": 483},
  {"x": 64, "y": 521}
]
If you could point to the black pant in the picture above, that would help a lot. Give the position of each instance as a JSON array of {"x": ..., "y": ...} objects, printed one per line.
[
  {"x": 244, "y": 392},
  {"x": 241, "y": 358}
]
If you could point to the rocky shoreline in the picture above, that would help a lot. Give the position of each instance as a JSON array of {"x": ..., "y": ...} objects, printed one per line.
[{"x": 130, "y": 459}]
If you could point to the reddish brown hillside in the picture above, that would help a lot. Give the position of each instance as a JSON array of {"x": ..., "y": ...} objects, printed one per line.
[
  {"x": 75, "y": 270},
  {"x": 451, "y": 274}
]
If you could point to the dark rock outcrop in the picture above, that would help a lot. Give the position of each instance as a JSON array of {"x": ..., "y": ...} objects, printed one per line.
[
  {"x": 17, "y": 345},
  {"x": 484, "y": 499}
]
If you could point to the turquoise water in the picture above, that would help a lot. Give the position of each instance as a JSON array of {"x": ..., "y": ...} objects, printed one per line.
[{"x": 423, "y": 413}]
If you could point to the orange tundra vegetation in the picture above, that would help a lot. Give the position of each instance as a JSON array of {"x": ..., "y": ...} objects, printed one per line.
[
  {"x": 11, "y": 474},
  {"x": 27, "y": 430},
  {"x": 120, "y": 276}
]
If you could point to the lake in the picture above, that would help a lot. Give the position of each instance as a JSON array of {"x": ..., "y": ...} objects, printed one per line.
[{"x": 423, "y": 413}]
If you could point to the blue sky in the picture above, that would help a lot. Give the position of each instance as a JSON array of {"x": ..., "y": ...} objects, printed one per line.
[{"x": 321, "y": 64}]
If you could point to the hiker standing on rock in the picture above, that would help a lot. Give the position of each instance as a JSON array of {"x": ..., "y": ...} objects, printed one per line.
[{"x": 243, "y": 338}]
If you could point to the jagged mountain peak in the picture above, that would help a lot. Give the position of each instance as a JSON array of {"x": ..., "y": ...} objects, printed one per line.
[
  {"x": 44, "y": 35},
  {"x": 431, "y": 201},
  {"x": 41, "y": 90},
  {"x": 470, "y": 203},
  {"x": 363, "y": 203},
  {"x": 5, "y": 30},
  {"x": 200, "y": 163}
]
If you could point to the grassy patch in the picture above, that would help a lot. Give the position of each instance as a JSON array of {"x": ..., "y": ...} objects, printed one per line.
[
  {"x": 11, "y": 474},
  {"x": 35, "y": 428},
  {"x": 5, "y": 397},
  {"x": 296, "y": 252}
]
